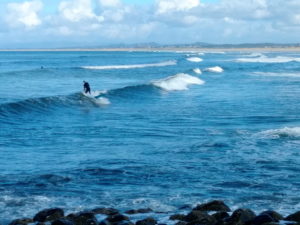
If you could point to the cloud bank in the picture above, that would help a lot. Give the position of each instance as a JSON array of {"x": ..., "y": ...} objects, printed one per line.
[{"x": 101, "y": 22}]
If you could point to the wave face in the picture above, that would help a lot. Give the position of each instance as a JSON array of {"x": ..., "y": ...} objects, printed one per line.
[
  {"x": 177, "y": 82},
  {"x": 264, "y": 59},
  {"x": 136, "y": 66},
  {"x": 147, "y": 137}
]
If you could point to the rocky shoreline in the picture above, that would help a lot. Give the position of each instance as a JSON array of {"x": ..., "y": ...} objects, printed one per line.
[{"x": 211, "y": 213}]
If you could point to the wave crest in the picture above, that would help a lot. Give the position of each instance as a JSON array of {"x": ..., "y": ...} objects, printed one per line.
[
  {"x": 177, "y": 82},
  {"x": 134, "y": 66}
]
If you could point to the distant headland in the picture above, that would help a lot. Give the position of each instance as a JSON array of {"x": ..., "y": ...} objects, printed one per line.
[{"x": 198, "y": 46}]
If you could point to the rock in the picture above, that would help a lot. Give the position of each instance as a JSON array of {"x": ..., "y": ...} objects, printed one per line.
[
  {"x": 105, "y": 211},
  {"x": 125, "y": 222},
  {"x": 261, "y": 219},
  {"x": 177, "y": 217},
  {"x": 83, "y": 218},
  {"x": 62, "y": 222},
  {"x": 220, "y": 215},
  {"x": 133, "y": 211},
  {"x": 116, "y": 218},
  {"x": 147, "y": 221},
  {"x": 275, "y": 215},
  {"x": 199, "y": 217},
  {"x": 213, "y": 206},
  {"x": 293, "y": 217},
  {"x": 21, "y": 221},
  {"x": 49, "y": 215},
  {"x": 240, "y": 217}
]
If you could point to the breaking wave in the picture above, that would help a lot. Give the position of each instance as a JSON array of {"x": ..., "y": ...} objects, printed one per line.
[
  {"x": 260, "y": 58},
  {"x": 194, "y": 59},
  {"x": 215, "y": 69},
  {"x": 197, "y": 70},
  {"x": 286, "y": 132},
  {"x": 97, "y": 98},
  {"x": 134, "y": 66},
  {"x": 177, "y": 82}
]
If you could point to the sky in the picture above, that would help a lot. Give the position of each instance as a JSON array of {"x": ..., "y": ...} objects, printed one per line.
[{"x": 95, "y": 23}]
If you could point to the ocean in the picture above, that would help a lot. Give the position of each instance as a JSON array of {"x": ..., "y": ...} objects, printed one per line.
[{"x": 167, "y": 130}]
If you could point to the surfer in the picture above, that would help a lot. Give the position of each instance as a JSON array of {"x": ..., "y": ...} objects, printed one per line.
[{"x": 86, "y": 87}]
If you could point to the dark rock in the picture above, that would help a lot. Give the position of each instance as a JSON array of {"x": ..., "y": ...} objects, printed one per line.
[
  {"x": 125, "y": 222},
  {"x": 213, "y": 206},
  {"x": 104, "y": 222},
  {"x": 220, "y": 215},
  {"x": 261, "y": 219},
  {"x": 21, "y": 221},
  {"x": 177, "y": 217},
  {"x": 82, "y": 218},
  {"x": 240, "y": 217},
  {"x": 199, "y": 217},
  {"x": 116, "y": 218},
  {"x": 62, "y": 222},
  {"x": 181, "y": 223},
  {"x": 136, "y": 211},
  {"x": 147, "y": 221},
  {"x": 275, "y": 215},
  {"x": 105, "y": 211},
  {"x": 294, "y": 217},
  {"x": 49, "y": 215}
]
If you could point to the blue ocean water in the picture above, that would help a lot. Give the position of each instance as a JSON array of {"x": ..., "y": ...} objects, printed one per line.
[{"x": 169, "y": 129}]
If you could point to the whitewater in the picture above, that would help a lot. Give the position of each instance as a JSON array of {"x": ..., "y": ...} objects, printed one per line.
[{"x": 164, "y": 130}]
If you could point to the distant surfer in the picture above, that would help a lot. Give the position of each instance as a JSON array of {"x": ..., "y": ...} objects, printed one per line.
[{"x": 86, "y": 87}]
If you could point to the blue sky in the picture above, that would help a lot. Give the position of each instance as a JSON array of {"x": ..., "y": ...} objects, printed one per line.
[{"x": 65, "y": 23}]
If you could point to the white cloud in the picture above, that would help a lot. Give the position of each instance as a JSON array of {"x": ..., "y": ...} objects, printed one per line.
[
  {"x": 77, "y": 10},
  {"x": 110, "y": 3},
  {"x": 168, "y": 6},
  {"x": 25, "y": 14}
]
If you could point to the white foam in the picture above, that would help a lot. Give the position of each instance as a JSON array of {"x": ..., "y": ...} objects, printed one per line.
[
  {"x": 265, "y": 59},
  {"x": 215, "y": 69},
  {"x": 177, "y": 82},
  {"x": 197, "y": 70},
  {"x": 194, "y": 59},
  {"x": 254, "y": 54},
  {"x": 272, "y": 74},
  {"x": 134, "y": 66},
  {"x": 293, "y": 132},
  {"x": 94, "y": 96}
]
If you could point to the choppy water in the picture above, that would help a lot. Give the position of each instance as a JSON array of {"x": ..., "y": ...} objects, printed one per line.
[{"x": 170, "y": 129}]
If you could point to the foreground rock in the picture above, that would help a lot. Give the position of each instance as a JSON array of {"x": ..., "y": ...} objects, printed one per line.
[
  {"x": 211, "y": 213},
  {"x": 48, "y": 215},
  {"x": 213, "y": 206}
]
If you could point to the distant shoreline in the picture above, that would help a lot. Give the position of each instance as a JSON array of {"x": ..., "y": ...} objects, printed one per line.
[{"x": 179, "y": 49}]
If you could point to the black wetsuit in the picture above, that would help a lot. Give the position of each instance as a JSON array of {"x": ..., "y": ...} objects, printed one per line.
[{"x": 87, "y": 88}]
